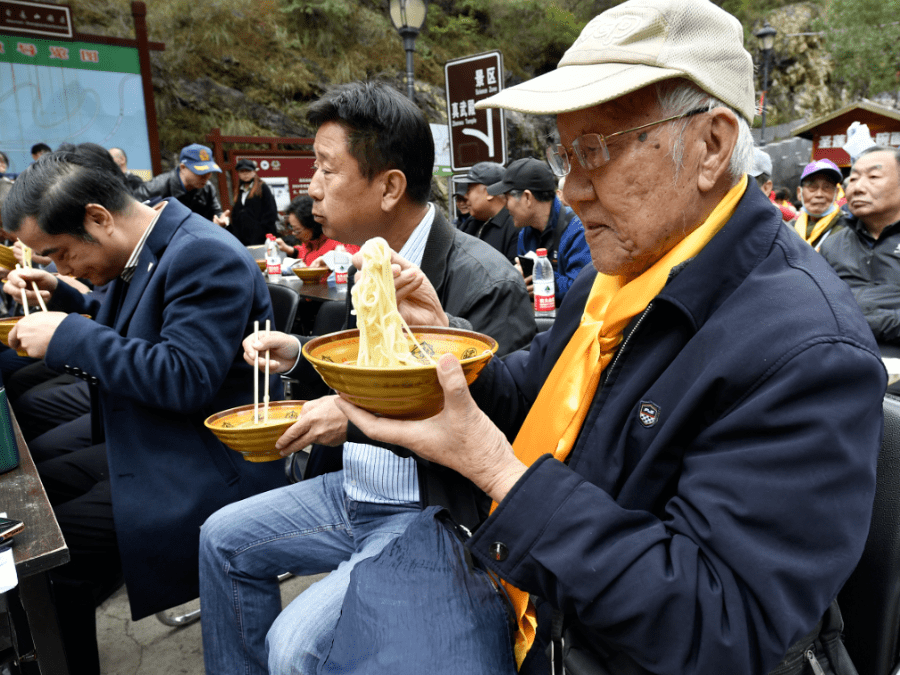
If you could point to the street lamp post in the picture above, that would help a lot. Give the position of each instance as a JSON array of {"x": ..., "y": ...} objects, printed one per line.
[
  {"x": 766, "y": 37},
  {"x": 408, "y": 17}
]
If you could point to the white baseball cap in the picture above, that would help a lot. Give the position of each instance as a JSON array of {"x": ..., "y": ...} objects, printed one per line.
[{"x": 636, "y": 44}]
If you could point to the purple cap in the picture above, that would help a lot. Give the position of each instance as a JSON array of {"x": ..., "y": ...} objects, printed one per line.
[{"x": 822, "y": 166}]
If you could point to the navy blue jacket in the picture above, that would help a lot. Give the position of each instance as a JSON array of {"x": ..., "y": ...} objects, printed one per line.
[
  {"x": 720, "y": 491},
  {"x": 160, "y": 360}
]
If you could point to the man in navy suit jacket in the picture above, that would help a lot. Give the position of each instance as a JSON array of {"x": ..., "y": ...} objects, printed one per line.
[{"x": 162, "y": 354}]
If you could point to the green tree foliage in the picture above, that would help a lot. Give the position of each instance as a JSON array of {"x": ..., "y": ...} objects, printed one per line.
[{"x": 862, "y": 37}]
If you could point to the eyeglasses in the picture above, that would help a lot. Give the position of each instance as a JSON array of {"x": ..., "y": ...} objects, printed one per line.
[{"x": 591, "y": 149}]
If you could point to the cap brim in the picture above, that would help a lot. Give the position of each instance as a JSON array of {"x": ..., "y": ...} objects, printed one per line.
[
  {"x": 500, "y": 188},
  {"x": 577, "y": 87},
  {"x": 202, "y": 168},
  {"x": 838, "y": 177}
]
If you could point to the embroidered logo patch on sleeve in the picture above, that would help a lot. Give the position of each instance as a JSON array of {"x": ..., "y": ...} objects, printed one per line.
[{"x": 649, "y": 413}]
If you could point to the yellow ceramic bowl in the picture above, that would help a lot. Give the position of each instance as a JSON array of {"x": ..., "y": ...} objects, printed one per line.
[
  {"x": 6, "y": 326},
  {"x": 407, "y": 392},
  {"x": 7, "y": 258},
  {"x": 312, "y": 275},
  {"x": 262, "y": 265},
  {"x": 256, "y": 442}
]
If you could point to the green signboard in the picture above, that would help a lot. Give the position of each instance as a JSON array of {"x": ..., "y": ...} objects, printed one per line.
[{"x": 65, "y": 54}]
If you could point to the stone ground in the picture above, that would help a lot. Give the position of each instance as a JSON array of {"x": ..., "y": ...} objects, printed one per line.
[{"x": 147, "y": 647}]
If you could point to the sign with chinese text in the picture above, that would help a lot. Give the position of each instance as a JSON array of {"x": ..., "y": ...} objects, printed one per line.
[
  {"x": 475, "y": 135},
  {"x": 35, "y": 18}
]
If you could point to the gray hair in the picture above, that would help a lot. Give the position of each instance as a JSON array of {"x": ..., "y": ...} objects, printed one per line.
[{"x": 680, "y": 96}]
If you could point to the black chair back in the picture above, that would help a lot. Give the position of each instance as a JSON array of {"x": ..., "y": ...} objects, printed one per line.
[
  {"x": 285, "y": 301},
  {"x": 870, "y": 600}
]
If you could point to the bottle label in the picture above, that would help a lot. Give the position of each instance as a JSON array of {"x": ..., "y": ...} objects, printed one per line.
[
  {"x": 340, "y": 275},
  {"x": 544, "y": 297},
  {"x": 273, "y": 268}
]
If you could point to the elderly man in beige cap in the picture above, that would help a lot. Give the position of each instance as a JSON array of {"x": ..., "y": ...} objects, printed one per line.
[{"x": 693, "y": 466}]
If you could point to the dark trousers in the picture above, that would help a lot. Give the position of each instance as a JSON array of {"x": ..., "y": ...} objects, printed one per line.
[
  {"x": 50, "y": 404},
  {"x": 77, "y": 484}
]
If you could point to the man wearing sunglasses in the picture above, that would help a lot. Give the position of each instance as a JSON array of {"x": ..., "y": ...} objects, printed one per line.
[{"x": 693, "y": 469}]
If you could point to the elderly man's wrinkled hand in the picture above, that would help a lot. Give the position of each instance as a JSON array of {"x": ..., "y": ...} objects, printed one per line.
[
  {"x": 460, "y": 437},
  {"x": 34, "y": 332},
  {"x": 283, "y": 351},
  {"x": 321, "y": 421}
]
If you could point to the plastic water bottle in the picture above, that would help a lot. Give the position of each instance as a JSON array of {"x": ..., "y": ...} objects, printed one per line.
[
  {"x": 544, "y": 285},
  {"x": 273, "y": 260},
  {"x": 341, "y": 265}
]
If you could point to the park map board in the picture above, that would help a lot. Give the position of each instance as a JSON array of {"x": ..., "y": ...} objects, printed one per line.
[{"x": 55, "y": 91}]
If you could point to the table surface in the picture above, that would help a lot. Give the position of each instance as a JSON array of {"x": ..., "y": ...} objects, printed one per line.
[
  {"x": 320, "y": 292},
  {"x": 40, "y": 546}
]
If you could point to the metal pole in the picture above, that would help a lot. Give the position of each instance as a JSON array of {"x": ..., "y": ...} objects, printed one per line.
[
  {"x": 409, "y": 44},
  {"x": 762, "y": 131}
]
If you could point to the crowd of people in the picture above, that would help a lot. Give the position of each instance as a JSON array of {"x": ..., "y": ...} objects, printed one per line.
[{"x": 676, "y": 477}]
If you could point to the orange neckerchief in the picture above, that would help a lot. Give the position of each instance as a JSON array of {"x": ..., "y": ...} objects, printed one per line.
[
  {"x": 818, "y": 229},
  {"x": 563, "y": 401}
]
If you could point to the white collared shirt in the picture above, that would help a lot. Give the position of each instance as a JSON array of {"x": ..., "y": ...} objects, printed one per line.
[{"x": 131, "y": 265}]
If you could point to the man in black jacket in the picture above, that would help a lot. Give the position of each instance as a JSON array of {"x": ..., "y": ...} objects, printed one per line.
[
  {"x": 374, "y": 157},
  {"x": 189, "y": 183},
  {"x": 489, "y": 221}
]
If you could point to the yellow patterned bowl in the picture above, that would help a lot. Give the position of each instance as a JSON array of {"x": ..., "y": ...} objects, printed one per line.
[
  {"x": 406, "y": 392},
  {"x": 6, "y": 326},
  {"x": 7, "y": 257},
  {"x": 312, "y": 275},
  {"x": 262, "y": 265},
  {"x": 256, "y": 442}
]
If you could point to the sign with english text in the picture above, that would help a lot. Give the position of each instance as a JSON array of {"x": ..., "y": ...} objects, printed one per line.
[{"x": 475, "y": 135}]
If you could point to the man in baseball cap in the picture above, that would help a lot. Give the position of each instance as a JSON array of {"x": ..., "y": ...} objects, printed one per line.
[
  {"x": 695, "y": 439},
  {"x": 489, "y": 220},
  {"x": 189, "y": 183},
  {"x": 543, "y": 222},
  {"x": 818, "y": 192}
]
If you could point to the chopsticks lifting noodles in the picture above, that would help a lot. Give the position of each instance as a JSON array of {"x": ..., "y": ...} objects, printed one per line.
[
  {"x": 266, "y": 396},
  {"x": 24, "y": 296},
  {"x": 256, "y": 376}
]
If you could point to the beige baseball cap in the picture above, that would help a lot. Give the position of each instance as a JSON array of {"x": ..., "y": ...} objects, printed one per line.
[{"x": 636, "y": 44}]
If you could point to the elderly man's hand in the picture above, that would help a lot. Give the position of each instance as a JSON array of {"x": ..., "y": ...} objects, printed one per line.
[
  {"x": 321, "y": 421},
  {"x": 417, "y": 300},
  {"x": 34, "y": 332},
  {"x": 283, "y": 351},
  {"x": 460, "y": 437},
  {"x": 19, "y": 280}
]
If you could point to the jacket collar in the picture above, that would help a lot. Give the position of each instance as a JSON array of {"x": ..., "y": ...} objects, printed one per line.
[
  {"x": 702, "y": 284},
  {"x": 174, "y": 214},
  {"x": 434, "y": 259}
]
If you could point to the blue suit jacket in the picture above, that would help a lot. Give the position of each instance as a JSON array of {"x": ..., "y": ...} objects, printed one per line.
[{"x": 163, "y": 354}]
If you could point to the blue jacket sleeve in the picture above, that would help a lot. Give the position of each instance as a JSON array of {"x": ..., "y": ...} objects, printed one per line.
[{"x": 177, "y": 356}]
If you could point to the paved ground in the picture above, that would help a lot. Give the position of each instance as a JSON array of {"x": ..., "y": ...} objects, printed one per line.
[{"x": 147, "y": 647}]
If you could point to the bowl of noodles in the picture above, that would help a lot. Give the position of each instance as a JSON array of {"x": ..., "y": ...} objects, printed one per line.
[
  {"x": 312, "y": 275},
  {"x": 239, "y": 429},
  {"x": 383, "y": 365},
  {"x": 409, "y": 391}
]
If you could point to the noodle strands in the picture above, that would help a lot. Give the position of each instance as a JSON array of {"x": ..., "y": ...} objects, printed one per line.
[{"x": 382, "y": 343}]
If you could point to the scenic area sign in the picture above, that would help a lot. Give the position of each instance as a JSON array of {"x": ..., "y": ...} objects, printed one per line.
[{"x": 475, "y": 135}]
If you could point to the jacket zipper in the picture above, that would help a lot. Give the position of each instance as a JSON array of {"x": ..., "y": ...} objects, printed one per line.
[
  {"x": 621, "y": 348},
  {"x": 814, "y": 662}
]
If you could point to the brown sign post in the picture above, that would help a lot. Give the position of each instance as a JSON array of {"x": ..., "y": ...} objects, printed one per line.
[{"x": 475, "y": 135}]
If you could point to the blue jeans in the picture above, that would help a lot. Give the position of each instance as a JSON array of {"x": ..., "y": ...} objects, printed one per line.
[{"x": 306, "y": 528}]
